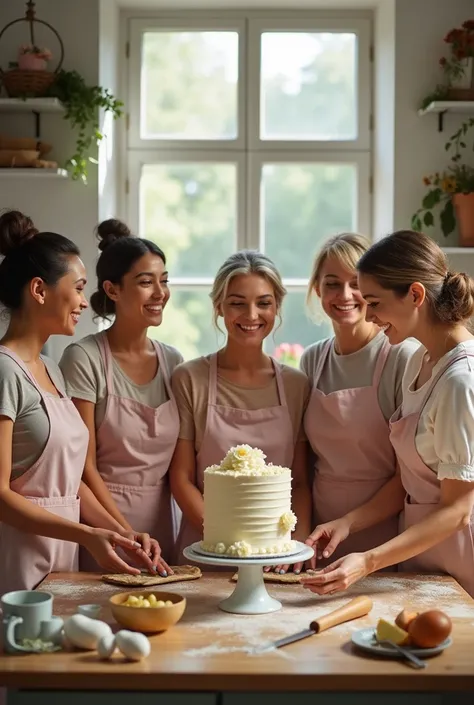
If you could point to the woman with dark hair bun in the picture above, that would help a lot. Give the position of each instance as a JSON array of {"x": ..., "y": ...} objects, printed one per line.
[
  {"x": 119, "y": 380},
  {"x": 411, "y": 292},
  {"x": 43, "y": 441}
]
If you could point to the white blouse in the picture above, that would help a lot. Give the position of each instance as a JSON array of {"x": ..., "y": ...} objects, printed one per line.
[{"x": 445, "y": 434}]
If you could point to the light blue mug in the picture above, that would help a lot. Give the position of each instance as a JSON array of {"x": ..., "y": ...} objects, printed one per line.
[{"x": 24, "y": 611}]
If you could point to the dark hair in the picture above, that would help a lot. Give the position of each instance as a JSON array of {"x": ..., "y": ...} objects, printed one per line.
[
  {"x": 405, "y": 257},
  {"x": 29, "y": 254},
  {"x": 119, "y": 252}
]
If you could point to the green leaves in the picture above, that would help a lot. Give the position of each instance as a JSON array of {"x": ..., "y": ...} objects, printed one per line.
[
  {"x": 432, "y": 198},
  {"x": 82, "y": 104},
  {"x": 448, "y": 218}
]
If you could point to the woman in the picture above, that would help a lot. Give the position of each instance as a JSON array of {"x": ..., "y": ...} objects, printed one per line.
[
  {"x": 411, "y": 292},
  {"x": 239, "y": 394},
  {"x": 119, "y": 380},
  {"x": 43, "y": 441},
  {"x": 356, "y": 386}
]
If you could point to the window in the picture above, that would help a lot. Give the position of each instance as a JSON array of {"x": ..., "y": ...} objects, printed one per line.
[{"x": 246, "y": 131}]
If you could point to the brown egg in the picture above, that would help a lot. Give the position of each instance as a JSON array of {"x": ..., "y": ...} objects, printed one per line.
[
  {"x": 430, "y": 629},
  {"x": 405, "y": 618}
]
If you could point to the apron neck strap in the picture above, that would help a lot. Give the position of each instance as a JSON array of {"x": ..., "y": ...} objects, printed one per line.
[
  {"x": 322, "y": 360},
  {"x": 279, "y": 382},
  {"x": 212, "y": 391},
  {"x": 106, "y": 354},
  {"x": 163, "y": 367},
  {"x": 380, "y": 364}
]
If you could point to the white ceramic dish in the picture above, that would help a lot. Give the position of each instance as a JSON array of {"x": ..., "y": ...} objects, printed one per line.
[{"x": 365, "y": 639}]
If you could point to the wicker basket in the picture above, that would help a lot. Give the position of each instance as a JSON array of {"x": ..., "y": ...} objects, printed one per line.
[{"x": 20, "y": 83}]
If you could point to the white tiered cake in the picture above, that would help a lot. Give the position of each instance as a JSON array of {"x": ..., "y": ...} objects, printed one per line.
[{"x": 247, "y": 506}]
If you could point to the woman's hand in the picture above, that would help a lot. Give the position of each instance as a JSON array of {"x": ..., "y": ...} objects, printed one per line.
[
  {"x": 326, "y": 538},
  {"x": 150, "y": 553},
  {"x": 339, "y": 575},
  {"x": 102, "y": 544}
]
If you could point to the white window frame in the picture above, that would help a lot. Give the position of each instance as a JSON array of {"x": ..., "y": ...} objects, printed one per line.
[{"x": 248, "y": 151}]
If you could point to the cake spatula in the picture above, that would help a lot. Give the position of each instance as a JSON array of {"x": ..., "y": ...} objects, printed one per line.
[{"x": 358, "y": 607}]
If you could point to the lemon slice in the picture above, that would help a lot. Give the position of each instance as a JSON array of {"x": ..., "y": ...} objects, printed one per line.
[{"x": 386, "y": 630}]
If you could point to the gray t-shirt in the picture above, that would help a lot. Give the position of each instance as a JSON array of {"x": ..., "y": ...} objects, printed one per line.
[
  {"x": 21, "y": 402},
  {"x": 357, "y": 370},
  {"x": 84, "y": 376}
]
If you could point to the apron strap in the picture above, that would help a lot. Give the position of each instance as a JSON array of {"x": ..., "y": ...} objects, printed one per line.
[
  {"x": 163, "y": 366},
  {"x": 106, "y": 355},
  {"x": 434, "y": 382},
  {"x": 279, "y": 382},
  {"x": 212, "y": 391},
  {"x": 380, "y": 364},
  {"x": 13, "y": 356},
  {"x": 322, "y": 360}
]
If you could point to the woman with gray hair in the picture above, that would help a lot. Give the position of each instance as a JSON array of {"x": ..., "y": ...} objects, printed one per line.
[{"x": 240, "y": 395}]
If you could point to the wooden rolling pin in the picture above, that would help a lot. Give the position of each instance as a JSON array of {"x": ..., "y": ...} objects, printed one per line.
[{"x": 358, "y": 607}]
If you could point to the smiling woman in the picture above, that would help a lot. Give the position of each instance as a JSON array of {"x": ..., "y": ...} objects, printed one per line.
[
  {"x": 239, "y": 394},
  {"x": 119, "y": 380},
  {"x": 43, "y": 441}
]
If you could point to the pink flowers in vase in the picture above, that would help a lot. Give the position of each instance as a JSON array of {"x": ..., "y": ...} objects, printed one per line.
[
  {"x": 289, "y": 353},
  {"x": 33, "y": 58}
]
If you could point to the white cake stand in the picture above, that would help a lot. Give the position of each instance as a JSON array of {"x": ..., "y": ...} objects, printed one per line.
[{"x": 250, "y": 595}]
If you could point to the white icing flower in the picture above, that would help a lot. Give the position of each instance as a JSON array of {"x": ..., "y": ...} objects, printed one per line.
[
  {"x": 243, "y": 549},
  {"x": 243, "y": 457},
  {"x": 287, "y": 522},
  {"x": 220, "y": 548}
]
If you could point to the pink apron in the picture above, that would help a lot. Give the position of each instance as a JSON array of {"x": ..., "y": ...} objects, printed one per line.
[
  {"x": 135, "y": 444},
  {"x": 53, "y": 483},
  {"x": 350, "y": 438},
  {"x": 269, "y": 429},
  {"x": 454, "y": 555}
]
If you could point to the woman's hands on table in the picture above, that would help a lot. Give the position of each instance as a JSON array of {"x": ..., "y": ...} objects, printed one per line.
[
  {"x": 149, "y": 552},
  {"x": 339, "y": 575}
]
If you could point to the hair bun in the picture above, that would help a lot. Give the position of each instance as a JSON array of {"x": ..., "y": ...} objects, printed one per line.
[
  {"x": 16, "y": 229},
  {"x": 457, "y": 297},
  {"x": 109, "y": 231}
]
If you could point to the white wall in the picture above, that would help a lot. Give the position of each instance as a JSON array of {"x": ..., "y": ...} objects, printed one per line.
[
  {"x": 59, "y": 205},
  {"x": 406, "y": 148}
]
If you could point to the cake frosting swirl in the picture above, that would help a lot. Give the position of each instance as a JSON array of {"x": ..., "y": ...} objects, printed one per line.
[{"x": 247, "y": 506}]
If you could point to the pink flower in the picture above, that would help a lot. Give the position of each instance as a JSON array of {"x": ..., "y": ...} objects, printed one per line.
[{"x": 289, "y": 353}]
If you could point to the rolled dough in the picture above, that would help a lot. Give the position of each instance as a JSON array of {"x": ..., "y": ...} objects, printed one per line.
[{"x": 181, "y": 572}]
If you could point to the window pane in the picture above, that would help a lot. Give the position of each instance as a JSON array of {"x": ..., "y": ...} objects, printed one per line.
[
  {"x": 189, "y": 85},
  {"x": 187, "y": 323},
  {"x": 190, "y": 210},
  {"x": 309, "y": 86},
  {"x": 297, "y": 328},
  {"x": 302, "y": 205}
]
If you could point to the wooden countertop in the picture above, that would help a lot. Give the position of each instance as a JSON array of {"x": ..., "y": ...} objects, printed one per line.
[{"x": 209, "y": 649}]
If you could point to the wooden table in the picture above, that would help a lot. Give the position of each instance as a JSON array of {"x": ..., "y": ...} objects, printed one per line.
[{"x": 210, "y": 652}]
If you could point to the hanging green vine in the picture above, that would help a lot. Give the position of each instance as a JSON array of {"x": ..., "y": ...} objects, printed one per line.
[{"x": 82, "y": 104}]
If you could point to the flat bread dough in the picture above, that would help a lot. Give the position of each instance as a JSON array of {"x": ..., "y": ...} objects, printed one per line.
[
  {"x": 285, "y": 577},
  {"x": 181, "y": 572}
]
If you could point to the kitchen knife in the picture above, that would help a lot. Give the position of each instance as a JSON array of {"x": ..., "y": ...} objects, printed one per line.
[{"x": 358, "y": 607}]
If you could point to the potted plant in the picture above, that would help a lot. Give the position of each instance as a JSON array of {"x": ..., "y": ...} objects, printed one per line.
[
  {"x": 457, "y": 67},
  {"x": 82, "y": 104},
  {"x": 33, "y": 58},
  {"x": 451, "y": 191}
]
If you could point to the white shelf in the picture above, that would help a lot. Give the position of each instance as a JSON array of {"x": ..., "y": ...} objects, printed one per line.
[
  {"x": 449, "y": 106},
  {"x": 458, "y": 250},
  {"x": 31, "y": 105},
  {"x": 32, "y": 172}
]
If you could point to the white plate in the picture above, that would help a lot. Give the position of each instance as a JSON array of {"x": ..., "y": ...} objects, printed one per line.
[
  {"x": 365, "y": 639},
  {"x": 197, "y": 548}
]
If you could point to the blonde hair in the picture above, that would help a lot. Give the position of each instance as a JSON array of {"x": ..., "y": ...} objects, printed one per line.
[
  {"x": 246, "y": 262},
  {"x": 347, "y": 248}
]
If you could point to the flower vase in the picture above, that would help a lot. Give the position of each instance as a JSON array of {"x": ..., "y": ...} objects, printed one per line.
[
  {"x": 30, "y": 62},
  {"x": 464, "y": 209},
  {"x": 462, "y": 88}
]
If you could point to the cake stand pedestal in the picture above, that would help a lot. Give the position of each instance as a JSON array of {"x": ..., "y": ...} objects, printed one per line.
[{"x": 250, "y": 595}]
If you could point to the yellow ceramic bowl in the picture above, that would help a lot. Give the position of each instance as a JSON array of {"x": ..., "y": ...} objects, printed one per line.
[{"x": 147, "y": 619}]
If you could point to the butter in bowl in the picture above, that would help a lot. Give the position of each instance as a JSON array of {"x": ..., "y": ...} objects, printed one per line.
[{"x": 147, "y": 611}]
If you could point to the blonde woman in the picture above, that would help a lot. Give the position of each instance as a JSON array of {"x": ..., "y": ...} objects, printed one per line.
[
  {"x": 410, "y": 291},
  {"x": 240, "y": 394},
  {"x": 356, "y": 379}
]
